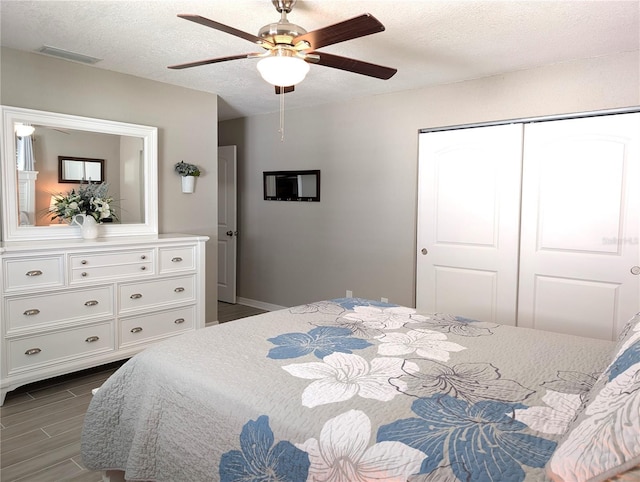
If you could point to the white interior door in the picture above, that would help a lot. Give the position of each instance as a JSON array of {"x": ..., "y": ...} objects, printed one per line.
[
  {"x": 468, "y": 222},
  {"x": 227, "y": 223},
  {"x": 580, "y": 225}
]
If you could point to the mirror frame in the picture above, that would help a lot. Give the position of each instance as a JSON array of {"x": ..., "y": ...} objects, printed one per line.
[{"x": 12, "y": 231}]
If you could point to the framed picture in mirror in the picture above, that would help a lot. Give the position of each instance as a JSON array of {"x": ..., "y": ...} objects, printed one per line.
[{"x": 80, "y": 169}]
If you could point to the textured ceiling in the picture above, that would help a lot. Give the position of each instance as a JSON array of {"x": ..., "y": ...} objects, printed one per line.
[{"x": 428, "y": 41}]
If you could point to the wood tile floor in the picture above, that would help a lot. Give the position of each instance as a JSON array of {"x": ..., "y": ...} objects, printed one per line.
[
  {"x": 41, "y": 423},
  {"x": 228, "y": 312}
]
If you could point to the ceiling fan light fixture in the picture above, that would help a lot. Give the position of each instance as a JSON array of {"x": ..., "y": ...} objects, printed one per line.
[
  {"x": 24, "y": 130},
  {"x": 283, "y": 69}
]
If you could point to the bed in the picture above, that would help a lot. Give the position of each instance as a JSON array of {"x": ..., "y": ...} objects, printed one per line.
[{"x": 355, "y": 390}]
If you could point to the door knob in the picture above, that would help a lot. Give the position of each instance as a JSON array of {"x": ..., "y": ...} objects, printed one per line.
[
  {"x": 229, "y": 233},
  {"x": 424, "y": 251},
  {"x": 635, "y": 270}
]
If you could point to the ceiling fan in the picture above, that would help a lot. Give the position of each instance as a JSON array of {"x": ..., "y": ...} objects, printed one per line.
[
  {"x": 23, "y": 129},
  {"x": 289, "y": 48}
]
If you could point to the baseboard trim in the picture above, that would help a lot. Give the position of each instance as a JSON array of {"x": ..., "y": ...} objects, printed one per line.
[{"x": 261, "y": 305}]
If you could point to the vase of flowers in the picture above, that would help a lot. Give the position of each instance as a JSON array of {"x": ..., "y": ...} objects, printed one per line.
[
  {"x": 86, "y": 206},
  {"x": 189, "y": 172}
]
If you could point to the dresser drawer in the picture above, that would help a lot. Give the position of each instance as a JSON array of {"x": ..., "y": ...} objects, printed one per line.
[
  {"x": 117, "y": 264},
  {"x": 177, "y": 258},
  {"x": 39, "y": 350},
  {"x": 114, "y": 258},
  {"x": 110, "y": 272},
  {"x": 148, "y": 294},
  {"x": 31, "y": 311},
  {"x": 142, "y": 329},
  {"x": 20, "y": 274}
]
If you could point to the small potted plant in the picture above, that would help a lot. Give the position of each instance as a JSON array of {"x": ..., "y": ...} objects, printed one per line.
[{"x": 189, "y": 172}]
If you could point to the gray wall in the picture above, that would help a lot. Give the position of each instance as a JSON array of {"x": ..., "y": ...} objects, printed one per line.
[
  {"x": 361, "y": 236},
  {"x": 187, "y": 130}
]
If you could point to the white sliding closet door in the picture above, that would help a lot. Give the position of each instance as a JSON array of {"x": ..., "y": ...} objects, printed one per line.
[
  {"x": 468, "y": 222},
  {"x": 580, "y": 225}
]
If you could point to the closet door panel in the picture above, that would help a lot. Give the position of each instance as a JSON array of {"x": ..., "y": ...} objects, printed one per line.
[
  {"x": 461, "y": 291},
  {"x": 580, "y": 187},
  {"x": 580, "y": 225},
  {"x": 575, "y": 305},
  {"x": 468, "y": 216}
]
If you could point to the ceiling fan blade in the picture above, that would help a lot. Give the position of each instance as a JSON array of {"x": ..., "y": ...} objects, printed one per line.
[
  {"x": 225, "y": 28},
  {"x": 208, "y": 61},
  {"x": 365, "y": 24},
  {"x": 287, "y": 89},
  {"x": 355, "y": 66},
  {"x": 57, "y": 129}
]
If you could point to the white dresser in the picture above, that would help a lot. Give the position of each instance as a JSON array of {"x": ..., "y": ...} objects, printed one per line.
[{"x": 72, "y": 304}]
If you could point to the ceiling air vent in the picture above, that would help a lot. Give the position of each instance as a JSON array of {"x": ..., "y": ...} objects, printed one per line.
[{"x": 67, "y": 55}]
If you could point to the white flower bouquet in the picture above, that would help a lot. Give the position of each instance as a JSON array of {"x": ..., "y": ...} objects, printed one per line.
[{"x": 90, "y": 199}]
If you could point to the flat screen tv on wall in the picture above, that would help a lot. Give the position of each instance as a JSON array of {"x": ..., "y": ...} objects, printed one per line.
[{"x": 292, "y": 185}]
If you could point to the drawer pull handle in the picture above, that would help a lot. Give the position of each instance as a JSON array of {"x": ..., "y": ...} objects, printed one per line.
[
  {"x": 143, "y": 268},
  {"x": 179, "y": 289},
  {"x": 137, "y": 329},
  {"x": 84, "y": 261},
  {"x": 32, "y": 351},
  {"x": 91, "y": 303},
  {"x": 177, "y": 259},
  {"x": 91, "y": 339},
  {"x": 135, "y": 296},
  {"x": 179, "y": 320},
  {"x": 32, "y": 312},
  {"x": 84, "y": 274},
  {"x": 35, "y": 272},
  {"x": 144, "y": 256}
]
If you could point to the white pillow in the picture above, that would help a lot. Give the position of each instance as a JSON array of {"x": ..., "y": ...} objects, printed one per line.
[{"x": 604, "y": 440}]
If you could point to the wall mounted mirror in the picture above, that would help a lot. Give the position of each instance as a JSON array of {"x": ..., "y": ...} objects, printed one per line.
[
  {"x": 292, "y": 185},
  {"x": 31, "y": 171}
]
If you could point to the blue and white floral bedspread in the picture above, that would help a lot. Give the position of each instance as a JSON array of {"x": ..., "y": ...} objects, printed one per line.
[{"x": 343, "y": 390}]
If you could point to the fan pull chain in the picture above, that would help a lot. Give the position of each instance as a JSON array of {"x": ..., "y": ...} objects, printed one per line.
[{"x": 281, "y": 130}]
